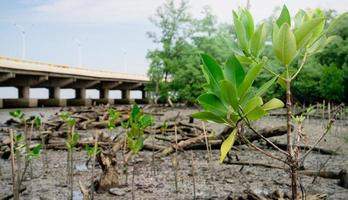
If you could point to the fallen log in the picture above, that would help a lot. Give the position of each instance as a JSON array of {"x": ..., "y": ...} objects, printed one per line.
[
  {"x": 200, "y": 140},
  {"x": 341, "y": 175}
]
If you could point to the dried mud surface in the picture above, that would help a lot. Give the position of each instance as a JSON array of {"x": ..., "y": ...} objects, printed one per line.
[{"x": 212, "y": 180}]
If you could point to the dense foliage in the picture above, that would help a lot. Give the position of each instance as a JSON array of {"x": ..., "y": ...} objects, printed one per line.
[{"x": 175, "y": 63}]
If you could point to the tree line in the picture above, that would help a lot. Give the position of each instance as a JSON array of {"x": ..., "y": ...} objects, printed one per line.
[{"x": 175, "y": 65}]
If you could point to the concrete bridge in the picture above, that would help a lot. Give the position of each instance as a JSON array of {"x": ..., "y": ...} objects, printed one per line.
[{"x": 24, "y": 74}]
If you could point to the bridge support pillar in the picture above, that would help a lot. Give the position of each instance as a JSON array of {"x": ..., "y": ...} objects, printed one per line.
[
  {"x": 80, "y": 98},
  {"x": 54, "y": 93},
  {"x": 80, "y": 93},
  {"x": 104, "y": 93},
  {"x": 125, "y": 94},
  {"x": 54, "y": 99},
  {"x": 23, "y": 92},
  {"x": 143, "y": 94},
  {"x": 23, "y": 100}
]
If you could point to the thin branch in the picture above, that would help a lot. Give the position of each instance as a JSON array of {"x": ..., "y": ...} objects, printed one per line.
[
  {"x": 267, "y": 140},
  {"x": 301, "y": 65},
  {"x": 261, "y": 150},
  {"x": 327, "y": 129}
]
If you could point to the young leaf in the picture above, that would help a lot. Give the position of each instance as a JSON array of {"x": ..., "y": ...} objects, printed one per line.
[
  {"x": 212, "y": 103},
  {"x": 208, "y": 116},
  {"x": 135, "y": 110},
  {"x": 229, "y": 93},
  {"x": 212, "y": 69},
  {"x": 240, "y": 32},
  {"x": 273, "y": 104},
  {"x": 284, "y": 17},
  {"x": 227, "y": 145},
  {"x": 264, "y": 88},
  {"x": 37, "y": 121},
  {"x": 249, "y": 79},
  {"x": 285, "y": 45},
  {"x": 256, "y": 114},
  {"x": 305, "y": 32},
  {"x": 252, "y": 104},
  {"x": 299, "y": 18},
  {"x": 234, "y": 71},
  {"x": 258, "y": 40},
  {"x": 248, "y": 23},
  {"x": 17, "y": 114}
]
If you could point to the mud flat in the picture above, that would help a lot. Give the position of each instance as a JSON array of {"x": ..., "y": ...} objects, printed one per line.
[{"x": 154, "y": 179}]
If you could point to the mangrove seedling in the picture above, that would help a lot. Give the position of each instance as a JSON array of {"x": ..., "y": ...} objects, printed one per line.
[
  {"x": 230, "y": 97},
  {"x": 71, "y": 142}
]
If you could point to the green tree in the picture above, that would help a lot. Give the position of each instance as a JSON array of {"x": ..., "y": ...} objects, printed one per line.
[
  {"x": 332, "y": 84},
  {"x": 171, "y": 20}
]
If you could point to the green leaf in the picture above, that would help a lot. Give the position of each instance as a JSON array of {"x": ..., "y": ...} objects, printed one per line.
[
  {"x": 229, "y": 93},
  {"x": 210, "y": 102},
  {"x": 285, "y": 45},
  {"x": 249, "y": 79},
  {"x": 275, "y": 32},
  {"x": 342, "y": 17},
  {"x": 258, "y": 40},
  {"x": 145, "y": 121},
  {"x": 319, "y": 45},
  {"x": 284, "y": 17},
  {"x": 76, "y": 137},
  {"x": 248, "y": 23},
  {"x": 213, "y": 71},
  {"x": 135, "y": 110},
  {"x": 17, "y": 114},
  {"x": 240, "y": 32},
  {"x": 256, "y": 114},
  {"x": 305, "y": 32},
  {"x": 300, "y": 16},
  {"x": 264, "y": 88},
  {"x": 37, "y": 121},
  {"x": 234, "y": 71},
  {"x": 273, "y": 104},
  {"x": 35, "y": 152},
  {"x": 208, "y": 116},
  {"x": 227, "y": 145},
  {"x": 252, "y": 104}
]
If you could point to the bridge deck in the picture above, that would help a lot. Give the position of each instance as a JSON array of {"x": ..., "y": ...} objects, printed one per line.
[{"x": 33, "y": 67}]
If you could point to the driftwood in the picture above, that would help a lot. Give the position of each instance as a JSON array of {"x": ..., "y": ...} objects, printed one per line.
[
  {"x": 199, "y": 141},
  {"x": 341, "y": 175},
  {"x": 110, "y": 176},
  {"x": 276, "y": 195},
  {"x": 84, "y": 191}
]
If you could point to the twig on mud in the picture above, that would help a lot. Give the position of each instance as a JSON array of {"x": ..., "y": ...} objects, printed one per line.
[{"x": 252, "y": 164}]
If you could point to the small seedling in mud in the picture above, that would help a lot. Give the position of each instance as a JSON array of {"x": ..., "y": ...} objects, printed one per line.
[
  {"x": 34, "y": 122},
  {"x": 71, "y": 142},
  {"x": 135, "y": 127},
  {"x": 229, "y": 97},
  {"x": 18, "y": 150},
  {"x": 113, "y": 116},
  {"x": 92, "y": 152}
]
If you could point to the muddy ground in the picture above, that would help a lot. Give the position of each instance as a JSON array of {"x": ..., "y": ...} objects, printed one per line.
[{"x": 212, "y": 180}]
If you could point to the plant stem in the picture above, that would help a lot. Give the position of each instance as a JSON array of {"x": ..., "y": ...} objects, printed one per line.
[
  {"x": 291, "y": 157},
  {"x": 13, "y": 165},
  {"x": 95, "y": 150},
  {"x": 133, "y": 173}
]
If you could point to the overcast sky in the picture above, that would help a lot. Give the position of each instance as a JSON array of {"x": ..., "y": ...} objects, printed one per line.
[{"x": 112, "y": 33}]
